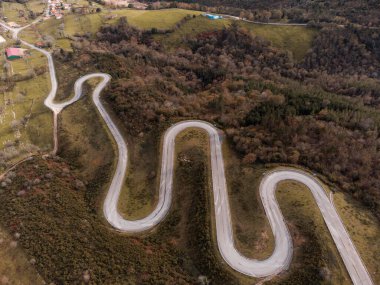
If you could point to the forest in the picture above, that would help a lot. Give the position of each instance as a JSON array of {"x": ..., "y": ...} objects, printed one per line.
[{"x": 321, "y": 113}]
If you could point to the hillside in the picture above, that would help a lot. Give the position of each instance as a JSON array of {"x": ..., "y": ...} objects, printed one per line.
[
  {"x": 280, "y": 119},
  {"x": 265, "y": 117},
  {"x": 365, "y": 12}
]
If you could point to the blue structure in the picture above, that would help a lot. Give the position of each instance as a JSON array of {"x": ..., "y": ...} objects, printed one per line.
[{"x": 213, "y": 17}]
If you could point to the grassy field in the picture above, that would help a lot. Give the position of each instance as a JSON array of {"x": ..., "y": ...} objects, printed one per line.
[
  {"x": 364, "y": 231},
  {"x": 48, "y": 28},
  {"x": 139, "y": 195},
  {"x": 25, "y": 123},
  {"x": 297, "y": 40},
  {"x": 14, "y": 265},
  {"x": 89, "y": 147},
  {"x": 253, "y": 234},
  {"x": 82, "y": 138},
  {"x": 297, "y": 203},
  {"x": 190, "y": 28},
  {"x": 33, "y": 59},
  {"x": 160, "y": 19},
  {"x": 19, "y": 13},
  {"x": 37, "y": 6},
  {"x": 194, "y": 205},
  {"x": 73, "y": 24},
  {"x": 12, "y": 12}
]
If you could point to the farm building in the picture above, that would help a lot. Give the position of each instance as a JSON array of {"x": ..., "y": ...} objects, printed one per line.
[
  {"x": 213, "y": 17},
  {"x": 14, "y": 53}
]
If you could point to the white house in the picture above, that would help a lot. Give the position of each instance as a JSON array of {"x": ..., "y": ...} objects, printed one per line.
[{"x": 2, "y": 40}]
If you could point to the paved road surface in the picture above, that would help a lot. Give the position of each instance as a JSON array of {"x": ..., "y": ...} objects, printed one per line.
[{"x": 282, "y": 255}]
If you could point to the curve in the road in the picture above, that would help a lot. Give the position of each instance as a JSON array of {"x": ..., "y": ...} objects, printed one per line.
[{"x": 281, "y": 257}]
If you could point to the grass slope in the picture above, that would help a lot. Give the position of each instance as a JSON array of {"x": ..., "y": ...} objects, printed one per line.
[
  {"x": 19, "y": 13},
  {"x": 12, "y": 11},
  {"x": 36, "y": 6},
  {"x": 297, "y": 40},
  {"x": 160, "y": 19},
  {"x": 190, "y": 28},
  {"x": 253, "y": 234},
  {"x": 139, "y": 195},
  {"x": 73, "y": 24},
  {"x": 25, "y": 123},
  {"x": 315, "y": 251},
  {"x": 364, "y": 230}
]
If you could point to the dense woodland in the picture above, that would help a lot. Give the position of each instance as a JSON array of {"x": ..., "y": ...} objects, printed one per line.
[
  {"x": 364, "y": 12},
  {"x": 321, "y": 113}
]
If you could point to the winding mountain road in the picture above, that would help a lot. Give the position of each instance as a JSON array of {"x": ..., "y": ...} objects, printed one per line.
[{"x": 282, "y": 255}]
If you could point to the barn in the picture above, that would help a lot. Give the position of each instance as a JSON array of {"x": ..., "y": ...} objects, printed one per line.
[{"x": 14, "y": 53}]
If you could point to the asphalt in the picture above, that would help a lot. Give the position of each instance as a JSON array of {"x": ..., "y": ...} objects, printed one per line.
[{"x": 280, "y": 259}]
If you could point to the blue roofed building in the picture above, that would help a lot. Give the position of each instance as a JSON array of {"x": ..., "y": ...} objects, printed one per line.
[{"x": 213, "y": 17}]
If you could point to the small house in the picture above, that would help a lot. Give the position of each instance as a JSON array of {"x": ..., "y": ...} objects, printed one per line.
[{"x": 14, "y": 53}]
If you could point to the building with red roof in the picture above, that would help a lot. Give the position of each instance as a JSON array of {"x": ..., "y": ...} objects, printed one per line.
[{"x": 14, "y": 53}]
